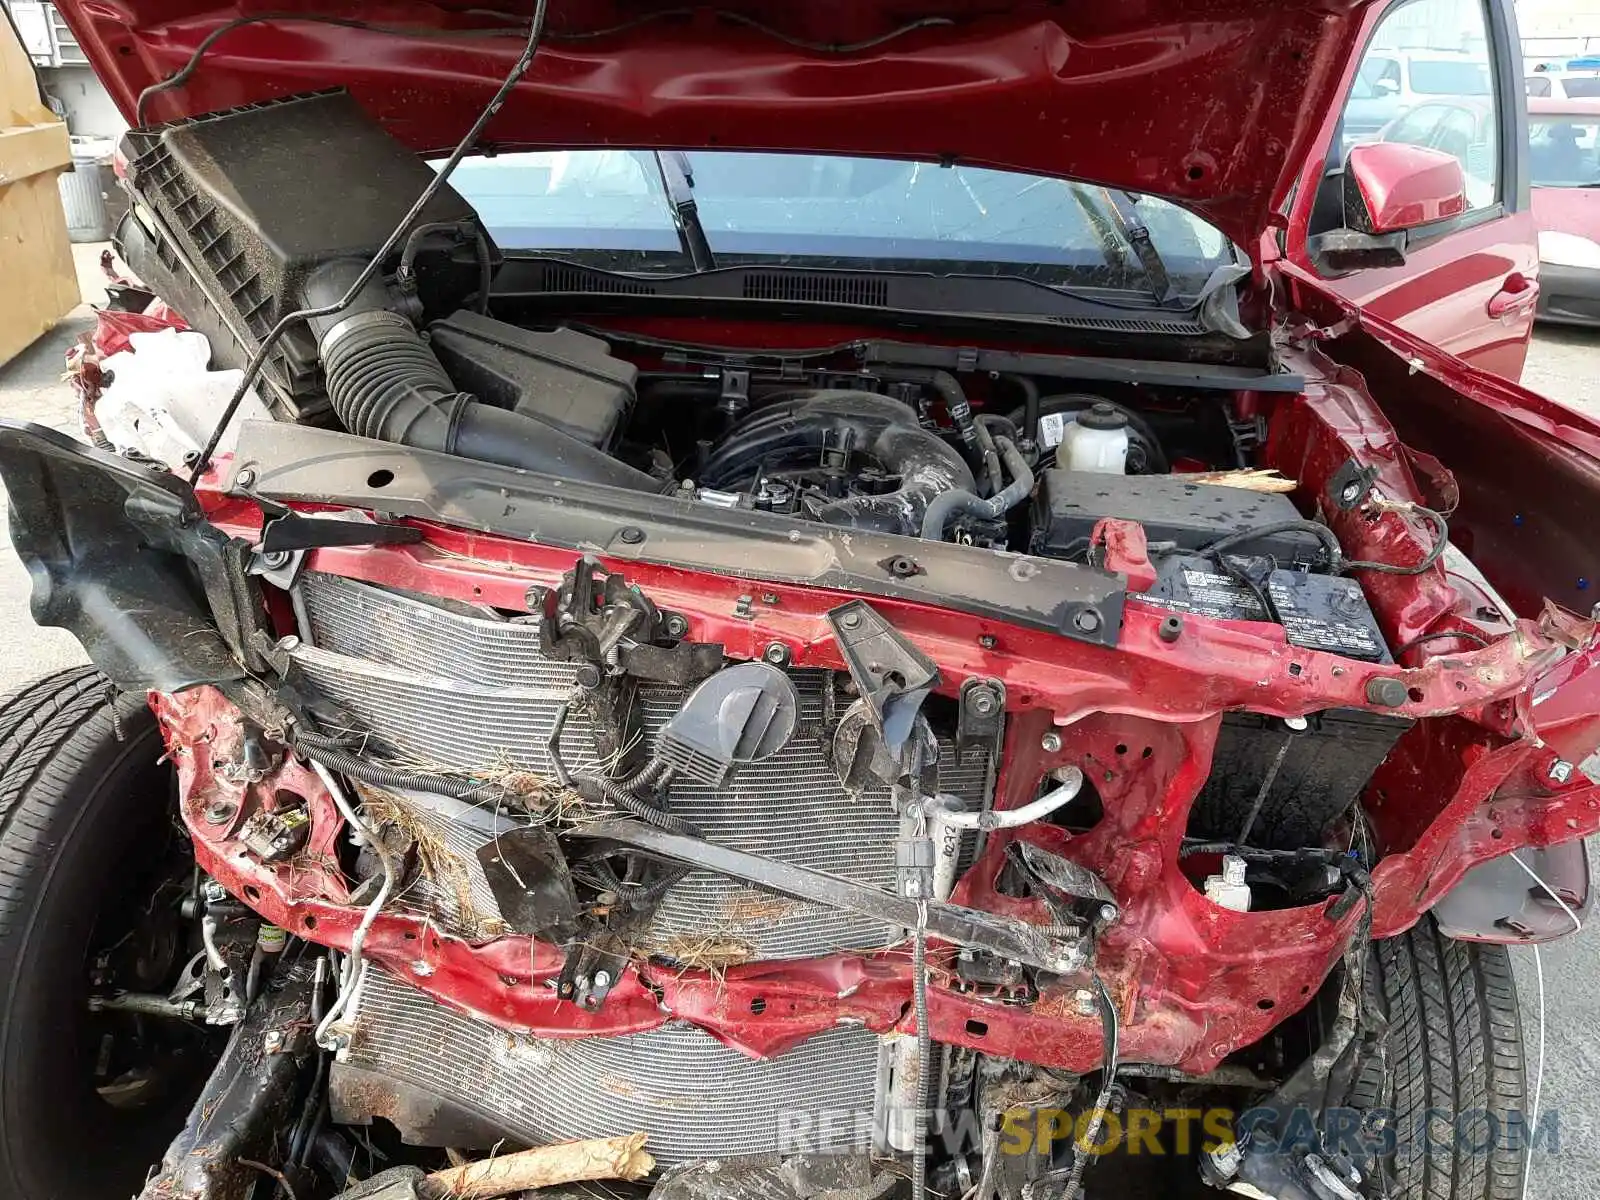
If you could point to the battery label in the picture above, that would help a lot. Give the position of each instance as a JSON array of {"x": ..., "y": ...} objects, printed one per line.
[
  {"x": 1316, "y": 612},
  {"x": 1213, "y": 592},
  {"x": 1319, "y": 632}
]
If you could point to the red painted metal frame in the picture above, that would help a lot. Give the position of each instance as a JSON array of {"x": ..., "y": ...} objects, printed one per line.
[{"x": 1193, "y": 981}]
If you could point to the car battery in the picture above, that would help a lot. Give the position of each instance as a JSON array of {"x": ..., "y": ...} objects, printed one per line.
[
  {"x": 1173, "y": 512},
  {"x": 1318, "y": 612}
]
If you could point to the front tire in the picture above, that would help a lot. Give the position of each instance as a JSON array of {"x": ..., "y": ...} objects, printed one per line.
[
  {"x": 85, "y": 819},
  {"x": 1456, "y": 1081}
]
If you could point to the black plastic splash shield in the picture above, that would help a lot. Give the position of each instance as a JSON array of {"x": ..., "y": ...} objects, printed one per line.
[
  {"x": 299, "y": 463},
  {"x": 121, "y": 557}
]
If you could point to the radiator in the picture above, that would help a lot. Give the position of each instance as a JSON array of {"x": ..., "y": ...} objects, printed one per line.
[
  {"x": 693, "y": 1096},
  {"x": 451, "y": 687}
]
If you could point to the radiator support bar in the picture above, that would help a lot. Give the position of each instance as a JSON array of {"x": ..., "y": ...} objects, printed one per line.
[{"x": 1005, "y": 936}]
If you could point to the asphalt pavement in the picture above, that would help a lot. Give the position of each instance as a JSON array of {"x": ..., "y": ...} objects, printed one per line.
[{"x": 1564, "y": 364}]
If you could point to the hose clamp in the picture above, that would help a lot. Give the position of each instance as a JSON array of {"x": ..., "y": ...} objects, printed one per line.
[
  {"x": 361, "y": 320},
  {"x": 453, "y": 410}
]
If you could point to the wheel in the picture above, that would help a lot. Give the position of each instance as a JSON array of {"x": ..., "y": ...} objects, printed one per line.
[
  {"x": 92, "y": 873},
  {"x": 1454, "y": 1049}
]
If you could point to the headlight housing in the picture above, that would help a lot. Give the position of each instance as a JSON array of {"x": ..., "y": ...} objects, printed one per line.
[{"x": 1568, "y": 250}]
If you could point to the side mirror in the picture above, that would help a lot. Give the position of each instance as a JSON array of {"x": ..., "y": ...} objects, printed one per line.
[
  {"x": 1387, "y": 189},
  {"x": 1386, "y": 87}
]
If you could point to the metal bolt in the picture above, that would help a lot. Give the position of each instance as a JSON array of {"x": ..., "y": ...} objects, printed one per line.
[
  {"x": 289, "y": 644},
  {"x": 1386, "y": 692},
  {"x": 1083, "y": 1001},
  {"x": 1086, "y": 620},
  {"x": 677, "y": 626},
  {"x": 273, "y": 1042},
  {"x": 777, "y": 654},
  {"x": 850, "y": 620},
  {"x": 1050, "y": 743},
  {"x": 245, "y": 479},
  {"x": 1351, "y": 492},
  {"x": 220, "y": 812},
  {"x": 602, "y": 979},
  {"x": 1561, "y": 770},
  {"x": 983, "y": 701},
  {"x": 988, "y": 641},
  {"x": 631, "y": 534},
  {"x": 1108, "y": 913}
]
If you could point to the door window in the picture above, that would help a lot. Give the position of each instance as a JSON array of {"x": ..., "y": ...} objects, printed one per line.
[{"x": 1444, "y": 49}]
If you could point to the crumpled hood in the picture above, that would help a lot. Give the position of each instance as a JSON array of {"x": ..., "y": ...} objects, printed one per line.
[{"x": 1208, "y": 102}]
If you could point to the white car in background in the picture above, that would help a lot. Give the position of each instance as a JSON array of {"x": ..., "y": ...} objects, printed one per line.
[
  {"x": 1562, "y": 85},
  {"x": 1392, "y": 83}
]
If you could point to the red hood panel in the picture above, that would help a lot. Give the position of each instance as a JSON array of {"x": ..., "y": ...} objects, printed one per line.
[{"x": 1208, "y": 103}]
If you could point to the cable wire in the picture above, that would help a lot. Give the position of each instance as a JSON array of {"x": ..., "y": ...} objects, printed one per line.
[
  {"x": 355, "y": 966},
  {"x": 258, "y": 360},
  {"x": 185, "y": 73},
  {"x": 1441, "y": 528},
  {"x": 1538, "y": 968}
]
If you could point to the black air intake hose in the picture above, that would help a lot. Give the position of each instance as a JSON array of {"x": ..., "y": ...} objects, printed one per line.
[
  {"x": 798, "y": 432},
  {"x": 385, "y": 382}
]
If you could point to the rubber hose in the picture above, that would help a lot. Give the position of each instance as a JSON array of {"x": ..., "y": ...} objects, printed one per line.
[
  {"x": 948, "y": 389},
  {"x": 594, "y": 789},
  {"x": 1030, "y": 405},
  {"x": 336, "y": 758},
  {"x": 385, "y": 382},
  {"x": 956, "y": 502},
  {"x": 991, "y": 459}
]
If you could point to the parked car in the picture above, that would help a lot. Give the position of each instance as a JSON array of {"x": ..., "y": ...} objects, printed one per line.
[
  {"x": 1391, "y": 83},
  {"x": 1563, "y": 85},
  {"x": 830, "y": 598},
  {"x": 1564, "y": 164}
]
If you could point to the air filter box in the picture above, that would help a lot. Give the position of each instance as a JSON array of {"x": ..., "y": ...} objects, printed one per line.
[
  {"x": 256, "y": 198},
  {"x": 1191, "y": 515},
  {"x": 565, "y": 378}
]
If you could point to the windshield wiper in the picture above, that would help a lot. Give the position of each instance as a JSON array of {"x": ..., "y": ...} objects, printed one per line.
[
  {"x": 1155, "y": 271},
  {"x": 677, "y": 176}
]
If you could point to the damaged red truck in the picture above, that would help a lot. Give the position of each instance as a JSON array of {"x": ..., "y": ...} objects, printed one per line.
[{"x": 771, "y": 615}]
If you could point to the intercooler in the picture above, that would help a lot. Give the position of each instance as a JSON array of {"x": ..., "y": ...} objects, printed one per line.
[{"x": 466, "y": 689}]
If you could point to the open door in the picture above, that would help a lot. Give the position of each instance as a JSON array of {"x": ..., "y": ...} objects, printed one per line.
[{"x": 1466, "y": 281}]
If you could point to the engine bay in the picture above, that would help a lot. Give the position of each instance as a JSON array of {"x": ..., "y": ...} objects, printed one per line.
[{"x": 685, "y": 723}]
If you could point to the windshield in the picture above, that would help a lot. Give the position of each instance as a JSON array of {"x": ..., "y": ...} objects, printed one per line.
[
  {"x": 1449, "y": 78},
  {"x": 612, "y": 207},
  {"x": 1562, "y": 151}
]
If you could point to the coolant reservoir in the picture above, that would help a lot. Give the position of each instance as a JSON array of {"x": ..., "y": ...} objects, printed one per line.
[{"x": 1096, "y": 441}]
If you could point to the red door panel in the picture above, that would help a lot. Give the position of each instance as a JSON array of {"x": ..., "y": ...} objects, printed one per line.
[{"x": 1470, "y": 292}]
